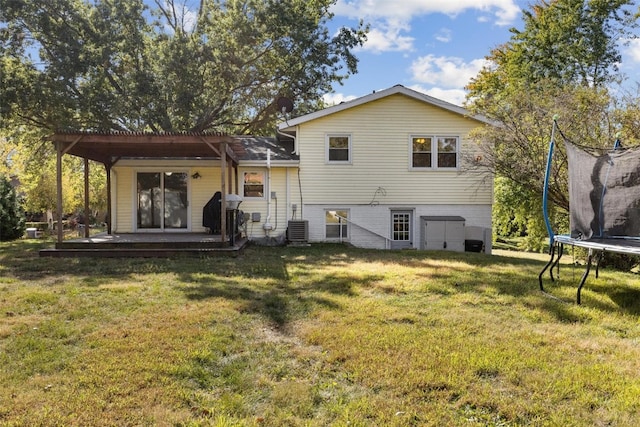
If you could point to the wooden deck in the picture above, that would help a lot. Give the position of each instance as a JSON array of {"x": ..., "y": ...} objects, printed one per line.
[{"x": 159, "y": 245}]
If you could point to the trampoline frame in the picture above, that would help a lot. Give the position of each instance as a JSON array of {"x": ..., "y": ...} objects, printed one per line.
[
  {"x": 597, "y": 249},
  {"x": 597, "y": 246}
]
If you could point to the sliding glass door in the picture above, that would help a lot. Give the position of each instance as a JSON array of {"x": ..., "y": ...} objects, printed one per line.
[{"x": 162, "y": 201}]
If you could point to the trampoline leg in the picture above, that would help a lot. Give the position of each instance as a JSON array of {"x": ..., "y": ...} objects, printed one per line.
[
  {"x": 586, "y": 273},
  {"x": 599, "y": 258},
  {"x": 553, "y": 253},
  {"x": 556, "y": 264}
]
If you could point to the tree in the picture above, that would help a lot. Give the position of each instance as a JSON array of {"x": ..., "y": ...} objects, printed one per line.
[
  {"x": 35, "y": 165},
  {"x": 12, "y": 223},
  {"x": 123, "y": 65},
  {"x": 162, "y": 66},
  {"x": 561, "y": 63}
]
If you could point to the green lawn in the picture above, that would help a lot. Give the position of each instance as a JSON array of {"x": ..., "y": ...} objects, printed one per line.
[{"x": 323, "y": 335}]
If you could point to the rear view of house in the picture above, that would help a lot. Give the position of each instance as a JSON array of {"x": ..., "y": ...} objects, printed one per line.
[{"x": 390, "y": 170}]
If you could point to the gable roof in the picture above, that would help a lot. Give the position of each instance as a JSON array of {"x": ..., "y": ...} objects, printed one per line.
[{"x": 397, "y": 89}]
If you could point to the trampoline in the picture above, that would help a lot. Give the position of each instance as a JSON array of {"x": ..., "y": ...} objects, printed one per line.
[{"x": 604, "y": 204}]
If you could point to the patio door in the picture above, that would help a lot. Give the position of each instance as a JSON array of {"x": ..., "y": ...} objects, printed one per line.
[
  {"x": 163, "y": 203},
  {"x": 401, "y": 230}
]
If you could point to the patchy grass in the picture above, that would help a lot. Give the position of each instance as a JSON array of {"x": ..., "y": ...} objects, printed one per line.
[{"x": 325, "y": 335}]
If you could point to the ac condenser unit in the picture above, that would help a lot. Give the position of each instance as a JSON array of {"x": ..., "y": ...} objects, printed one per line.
[{"x": 298, "y": 230}]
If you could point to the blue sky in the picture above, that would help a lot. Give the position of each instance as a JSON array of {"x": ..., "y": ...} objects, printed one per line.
[{"x": 433, "y": 46}]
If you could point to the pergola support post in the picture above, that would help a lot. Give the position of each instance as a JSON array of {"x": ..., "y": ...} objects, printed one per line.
[
  {"x": 223, "y": 190},
  {"x": 59, "y": 190},
  {"x": 108, "y": 172},
  {"x": 86, "y": 198}
]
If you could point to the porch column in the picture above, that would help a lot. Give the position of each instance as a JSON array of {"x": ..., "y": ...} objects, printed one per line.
[
  {"x": 108, "y": 171},
  {"x": 223, "y": 190},
  {"x": 235, "y": 171},
  {"x": 230, "y": 177},
  {"x": 86, "y": 197},
  {"x": 59, "y": 189}
]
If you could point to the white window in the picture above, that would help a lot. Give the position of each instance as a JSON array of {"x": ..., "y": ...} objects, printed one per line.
[
  {"x": 336, "y": 224},
  {"x": 338, "y": 148},
  {"x": 253, "y": 184},
  {"x": 434, "y": 152}
]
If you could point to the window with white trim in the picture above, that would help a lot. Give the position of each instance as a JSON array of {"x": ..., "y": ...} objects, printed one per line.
[
  {"x": 434, "y": 152},
  {"x": 253, "y": 184},
  {"x": 336, "y": 224},
  {"x": 338, "y": 148}
]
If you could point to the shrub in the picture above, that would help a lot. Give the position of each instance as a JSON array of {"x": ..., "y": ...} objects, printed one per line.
[
  {"x": 12, "y": 223},
  {"x": 620, "y": 262}
]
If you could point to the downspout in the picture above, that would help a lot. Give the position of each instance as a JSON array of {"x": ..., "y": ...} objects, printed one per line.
[
  {"x": 267, "y": 227},
  {"x": 295, "y": 140},
  {"x": 295, "y": 151}
]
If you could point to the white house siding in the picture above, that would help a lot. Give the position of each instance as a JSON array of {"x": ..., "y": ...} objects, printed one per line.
[
  {"x": 380, "y": 132},
  {"x": 370, "y": 225}
]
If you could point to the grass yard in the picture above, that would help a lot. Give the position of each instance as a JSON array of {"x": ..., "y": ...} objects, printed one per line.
[{"x": 317, "y": 336}]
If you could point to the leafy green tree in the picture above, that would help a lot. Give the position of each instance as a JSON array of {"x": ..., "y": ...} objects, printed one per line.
[
  {"x": 125, "y": 65},
  {"x": 156, "y": 66},
  {"x": 35, "y": 165},
  {"x": 561, "y": 63},
  {"x": 12, "y": 222}
]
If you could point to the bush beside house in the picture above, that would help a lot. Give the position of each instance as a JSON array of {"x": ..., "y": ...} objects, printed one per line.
[{"x": 12, "y": 222}]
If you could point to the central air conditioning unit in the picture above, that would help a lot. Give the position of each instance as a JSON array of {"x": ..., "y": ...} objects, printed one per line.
[{"x": 298, "y": 230}]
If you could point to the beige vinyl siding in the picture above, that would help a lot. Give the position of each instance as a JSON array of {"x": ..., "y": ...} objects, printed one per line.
[
  {"x": 282, "y": 183},
  {"x": 202, "y": 190},
  {"x": 124, "y": 200},
  {"x": 381, "y": 155}
]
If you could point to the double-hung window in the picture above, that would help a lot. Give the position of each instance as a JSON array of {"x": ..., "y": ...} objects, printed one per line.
[
  {"x": 434, "y": 152},
  {"x": 338, "y": 148},
  {"x": 336, "y": 224},
  {"x": 253, "y": 184}
]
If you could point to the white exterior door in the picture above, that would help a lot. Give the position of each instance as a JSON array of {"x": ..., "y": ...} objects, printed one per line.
[{"x": 401, "y": 229}]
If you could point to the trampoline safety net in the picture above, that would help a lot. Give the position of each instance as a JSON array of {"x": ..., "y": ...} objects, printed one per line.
[{"x": 604, "y": 193}]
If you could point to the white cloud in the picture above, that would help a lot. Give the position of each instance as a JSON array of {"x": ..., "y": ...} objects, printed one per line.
[
  {"x": 454, "y": 96},
  {"x": 391, "y": 20},
  {"x": 444, "y": 35},
  {"x": 633, "y": 50},
  {"x": 450, "y": 72},
  {"x": 336, "y": 98},
  {"x": 387, "y": 37},
  {"x": 505, "y": 11}
]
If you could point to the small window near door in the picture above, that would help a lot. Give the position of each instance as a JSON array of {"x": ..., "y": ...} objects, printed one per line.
[
  {"x": 336, "y": 224},
  {"x": 254, "y": 184}
]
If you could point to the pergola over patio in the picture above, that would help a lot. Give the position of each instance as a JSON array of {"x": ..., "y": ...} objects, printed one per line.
[{"x": 110, "y": 147}]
